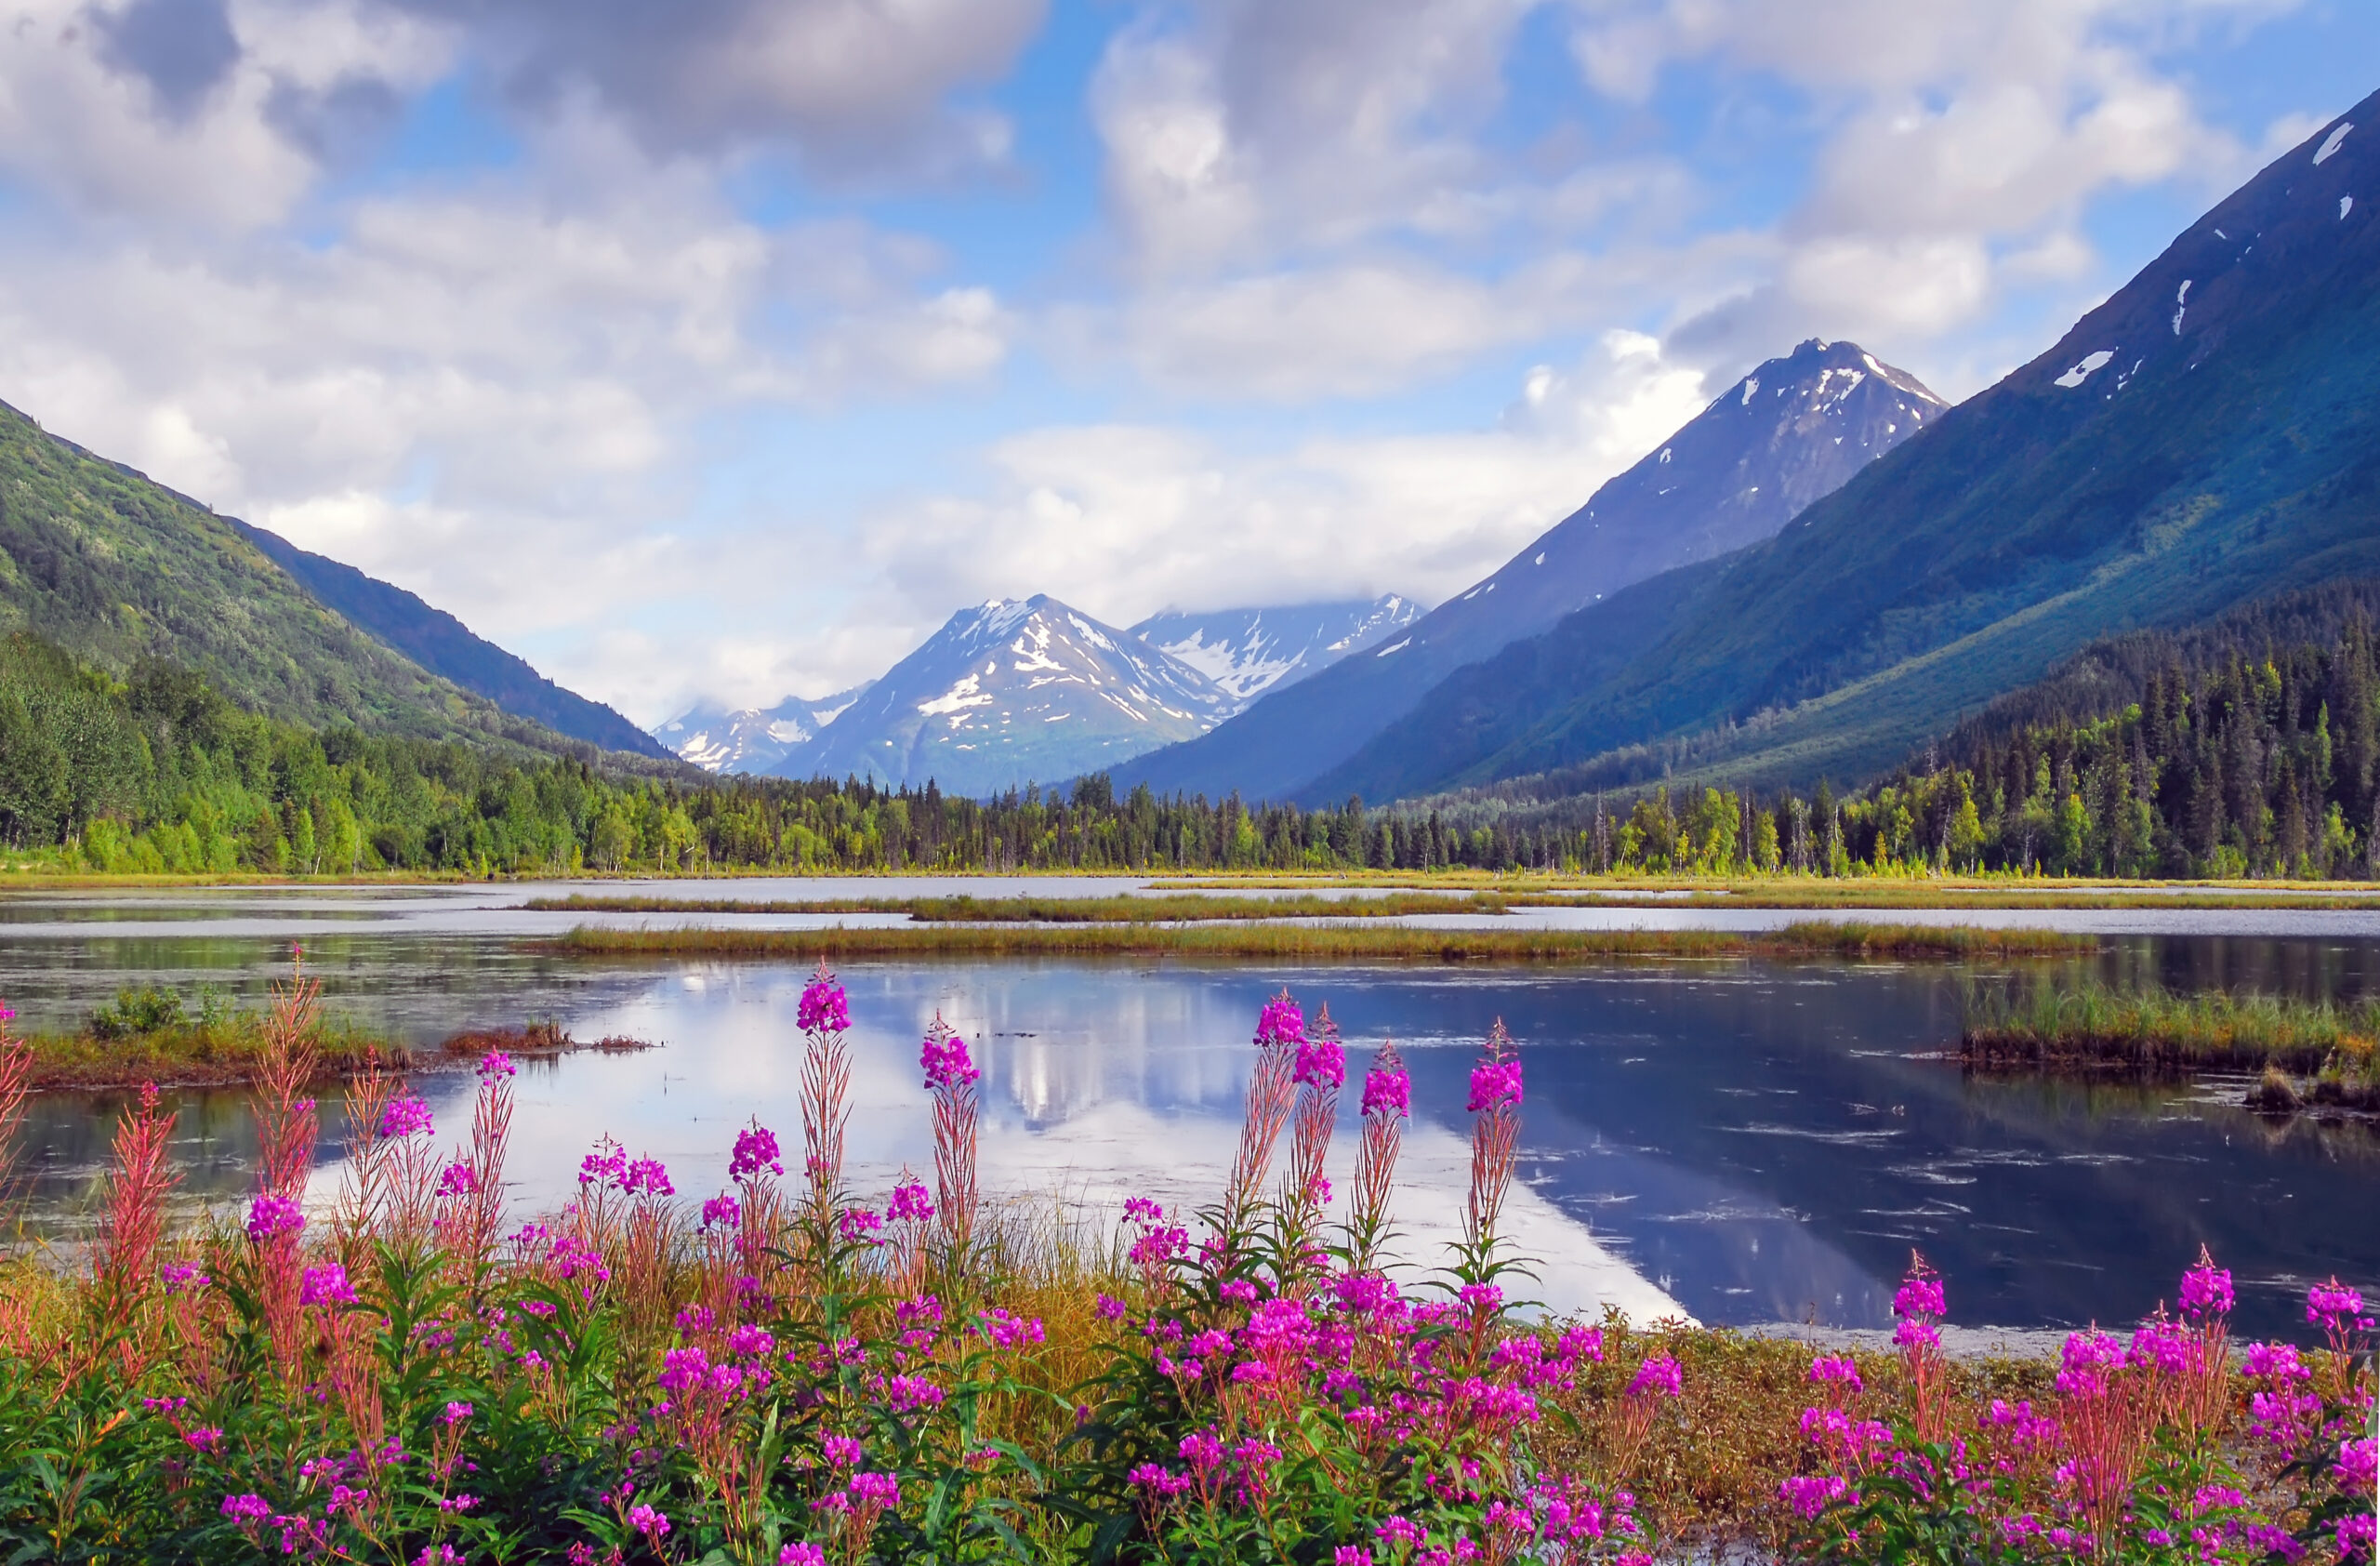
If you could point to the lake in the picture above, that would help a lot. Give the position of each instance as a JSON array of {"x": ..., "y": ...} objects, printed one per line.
[{"x": 1743, "y": 1142}]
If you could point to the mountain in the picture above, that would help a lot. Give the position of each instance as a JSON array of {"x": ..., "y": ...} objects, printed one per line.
[
  {"x": 1794, "y": 430},
  {"x": 1011, "y": 692},
  {"x": 752, "y": 739},
  {"x": 114, "y": 569},
  {"x": 2209, "y": 435},
  {"x": 442, "y": 644},
  {"x": 1247, "y": 652}
]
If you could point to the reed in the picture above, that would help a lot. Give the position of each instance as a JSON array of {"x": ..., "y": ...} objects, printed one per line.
[
  {"x": 1124, "y": 909},
  {"x": 2066, "y": 1022},
  {"x": 1350, "y": 941}
]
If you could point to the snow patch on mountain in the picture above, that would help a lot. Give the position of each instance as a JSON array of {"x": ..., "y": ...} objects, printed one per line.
[
  {"x": 1247, "y": 652},
  {"x": 750, "y": 738}
]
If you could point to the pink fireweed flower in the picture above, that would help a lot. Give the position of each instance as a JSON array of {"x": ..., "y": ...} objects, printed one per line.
[
  {"x": 722, "y": 1212},
  {"x": 842, "y": 1452},
  {"x": 2206, "y": 1289},
  {"x": 1809, "y": 1496},
  {"x": 1351, "y": 1555},
  {"x": 1919, "y": 1296},
  {"x": 649, "y": 1523},
  {"x": 207, "y": 1437},
  {"x": 755, "y": 1150},
  {"x": 823, "y": 1008},
  {"x": 1281, "y": 1024},
  {"x": 2334, "y": 1307},
  {"x": 2086, "y": 1361},
  {"x": 1107, "y": 1307},
  {"x": 605, "y": 1167},
  {"x": 1836, "y": 1370},
  {"x": 456, "y": 1414},
  {"x": 327, "y": 1285},
  {"x": 944, "y": 1056},
  {"x": 751, "y": 1342},
  {"x": 1388, "y": 1091},
  {"x": 496, "y": 1064},
  {"x": 1658, "y": 1375},
  {"x": 910, "y": 1204},
  {"x": 1321, "y": 1062},
  {"x": 1010, "y": 1332},
  {"x": 1494, "y": 1082},
  {"x": 647, "y": 1177},
  {"x": 857, "y": 1224},
  {"x": 803, "y": 1554},
  {"x": 405, "y": 1117},
  {"x": 246, "y": 1509},
  {"x": 1142, "y": 1211},
  {"x": 875, "y": 1490},
  {"x": 269, "y": 1216},
  {"x": 458, "y": 1178},
  {"x": 1399, "y": 1531},
  {"x": 2358, "y": 1466},
  {"x": 182, "y": 1279},
  {"x": 2161, "y": 1344}
]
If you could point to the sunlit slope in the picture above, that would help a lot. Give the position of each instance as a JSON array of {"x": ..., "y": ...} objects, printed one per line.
[{"x": 2209, "y": 435}]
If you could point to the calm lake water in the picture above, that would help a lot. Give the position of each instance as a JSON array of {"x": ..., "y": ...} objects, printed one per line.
[{"x": 1743, "y": 1142}]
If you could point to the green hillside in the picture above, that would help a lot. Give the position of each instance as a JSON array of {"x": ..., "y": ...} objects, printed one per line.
[
  {"x": 115, "y": 569},
  {"x": 2163, "y": 463}
]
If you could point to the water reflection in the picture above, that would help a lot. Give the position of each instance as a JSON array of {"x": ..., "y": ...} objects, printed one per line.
[{"x": 1745, "y": 1142}]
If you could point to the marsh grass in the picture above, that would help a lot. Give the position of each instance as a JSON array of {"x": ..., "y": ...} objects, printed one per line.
[
  {"x": 2039, "y": 1021},
  {"x": 1349, "y": 940}
]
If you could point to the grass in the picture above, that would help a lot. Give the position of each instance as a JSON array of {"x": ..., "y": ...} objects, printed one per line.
[
  {"x": 1348, "y": 941},
  {"x": 2092, "y": 1025},
  {"x": 1131, "y": 909},
  {"x": 232, "y": 1051}
]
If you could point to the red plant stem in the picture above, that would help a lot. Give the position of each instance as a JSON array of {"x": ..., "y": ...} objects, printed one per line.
[
  {"x": 825, "y": 1111},
  {"x": 1495, "y": 1140},
  {"x": 955, "y": 1107},
  {"x": 139, "y": 1180},
  {"x": 1272, "y": 1089}
]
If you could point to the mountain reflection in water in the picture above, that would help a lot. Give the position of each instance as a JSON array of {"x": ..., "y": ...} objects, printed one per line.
[{"x": 1743, "y": 1142}]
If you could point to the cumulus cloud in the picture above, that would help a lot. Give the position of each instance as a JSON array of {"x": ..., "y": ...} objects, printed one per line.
[
  {"x": 1122, "y": 521},
  {"x": 843, "y": 83},
  {"x": 484, "y": 393}
]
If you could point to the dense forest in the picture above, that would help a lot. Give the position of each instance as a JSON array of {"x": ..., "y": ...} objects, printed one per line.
[{"x": 2243, "y": 747}]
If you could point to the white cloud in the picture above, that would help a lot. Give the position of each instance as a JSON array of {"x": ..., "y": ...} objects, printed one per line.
[{"x": 1122, "y": 521}]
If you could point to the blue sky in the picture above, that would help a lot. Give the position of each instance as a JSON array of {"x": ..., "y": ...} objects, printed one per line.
[{"x": 720, "y": 351}]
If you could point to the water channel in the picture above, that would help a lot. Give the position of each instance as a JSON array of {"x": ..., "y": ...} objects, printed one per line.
[{"x": 1739, "y": 1141}]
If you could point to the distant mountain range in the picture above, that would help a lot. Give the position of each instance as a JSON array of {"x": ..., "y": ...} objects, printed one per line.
[
  {"x": 1247, "y": 652},
  {"x": 114, "y": 567},
  {"x": 1009, "y": 693},
  {"x": 755, "y": 738},
  {"x": 1794, "y": 430},
  {"x": 2208, "y": 436},
  {"x": 1076, "y": 679}
]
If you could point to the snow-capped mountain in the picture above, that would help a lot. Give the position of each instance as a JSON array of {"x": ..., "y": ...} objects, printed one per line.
[
  {"x": 1795, "y": 429},
  {"x": 1247, "y": 652},
  {"x": 756, "y": 739},
  {"x": 1010, "y": 693}
]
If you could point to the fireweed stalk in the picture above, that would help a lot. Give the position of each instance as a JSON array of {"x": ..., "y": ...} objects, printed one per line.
[
  {"x": 825, "y": 1018},
  {"x": 1271, "y": 1093},
  {"x": 1495, "y": 1140},
  {"x": 1387, "y": 1104},
  {"x": 951, "y": 1076},
  {"x": 1318, "y": 1070}
]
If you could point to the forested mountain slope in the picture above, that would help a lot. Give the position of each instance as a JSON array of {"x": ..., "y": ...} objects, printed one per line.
[
  {"x": 115, "y": 568},
  {"x": 447, "y": 647},
  {"x": 1789, "y": 432},
  {"x": 2209, "y": 435}
]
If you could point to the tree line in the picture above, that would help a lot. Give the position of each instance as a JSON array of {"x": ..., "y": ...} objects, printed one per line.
[{"x": 2212, "y": 752}]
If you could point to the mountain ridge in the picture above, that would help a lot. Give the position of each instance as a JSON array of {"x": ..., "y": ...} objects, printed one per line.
[
  {"x": 1795, "y": 428},
  {"x": 447, "y": 647},
  {"x": 1012, "y": 692},
  {"x": 2205, "y": 436}
]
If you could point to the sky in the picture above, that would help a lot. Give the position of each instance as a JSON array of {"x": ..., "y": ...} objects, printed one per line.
[{"x": 720, "y": 351}]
